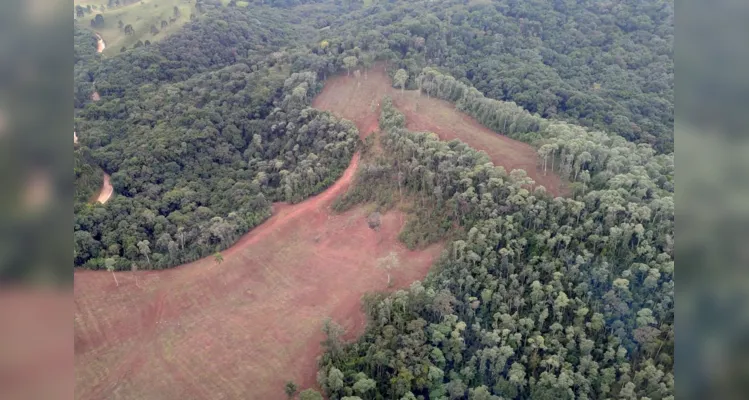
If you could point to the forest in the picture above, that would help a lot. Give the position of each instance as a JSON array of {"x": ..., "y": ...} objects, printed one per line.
[
  {"x": 535, "y": 297},
  {"x": 539, "y": 297}
]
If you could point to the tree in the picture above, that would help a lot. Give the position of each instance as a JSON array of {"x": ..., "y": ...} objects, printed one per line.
[
  {"x": 374, "y": 221},
  {"x": 218, "y": 258},
  {"x": 350, "y": 62},
  {"x": 310, "y": 394},
  {"x": 332, "y": 342},
  {"x": 164, "y": 24},
  {"x": 99, "y": 20},
  {"x": 400, "y": 78},
  {"x": 335, "y": 380},
  {"x": 120, "y": 24},
  {"x": 145, "y": 249},
  {"x": 177, "y": 13},
  {"x": 154, "y": 30},
  {"x": 290, "y": 389},
  {"x": 389, "y": 263},
  {"x": 129, "y": 29},
  {"x": 134, "y": 269},
  {"x": 79, "y": 11},
  {"x": 109, "y": 263}
]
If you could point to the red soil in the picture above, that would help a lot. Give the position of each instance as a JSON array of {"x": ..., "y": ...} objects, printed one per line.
[
  {"x": 35, "y": 336},
  {"x": 347, "y": 98},
  {"x": 106, "y": 190},
  {"x": 242, "y": 328}
]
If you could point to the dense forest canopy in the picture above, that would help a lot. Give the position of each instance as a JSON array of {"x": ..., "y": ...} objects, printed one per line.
[
  {"x": 607, "y": 65},
  {"x": 535, "y": 296},
  {"x": 540, "y": 298}
]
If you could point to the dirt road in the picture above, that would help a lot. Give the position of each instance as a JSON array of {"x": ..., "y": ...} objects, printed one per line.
[
  {"x": 353, "y": 99},
  {"x": 100, "y": 45},
  {"x": 242, "y": 328},
  {"x": 106, "y": 190}
]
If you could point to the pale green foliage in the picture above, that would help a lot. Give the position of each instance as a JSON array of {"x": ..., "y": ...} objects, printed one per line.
[
  {"x": 400, "y": 78},
  {"x": 350, "y": 62}
]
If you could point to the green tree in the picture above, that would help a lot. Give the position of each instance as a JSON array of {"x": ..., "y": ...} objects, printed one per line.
[
  {"x": 350, "y": 62},
  {"x": 400, "y": 79},
  {"x": 218, "y": 258},
  {"x": 144, "y": 247},
  {"x": 109, "y": 264},
  {"x": 388, "y": 264},
  {"x": 310, "y": 394},
  {"x": 290, "y": 388},
  {"x": 335, "y": 380}
]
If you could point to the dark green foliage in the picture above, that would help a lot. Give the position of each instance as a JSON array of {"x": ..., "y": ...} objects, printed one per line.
[
  {"x": 198, "y": 163},
  {"x": 88, "y": 176},
  {"x": 86, "y": 64},
  {"x": 540, "y": 298},
  {"x": 608, "y": 66},
  {"x": 534, "y": 298}
]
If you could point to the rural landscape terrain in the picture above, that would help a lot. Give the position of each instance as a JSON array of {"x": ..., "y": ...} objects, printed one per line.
[{"x": 373, "y": 200}]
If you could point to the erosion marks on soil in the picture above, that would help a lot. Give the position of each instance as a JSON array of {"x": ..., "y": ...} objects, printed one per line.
[
  {"x": 241, "y": 328},
  {"x": 353, "y": 99}
]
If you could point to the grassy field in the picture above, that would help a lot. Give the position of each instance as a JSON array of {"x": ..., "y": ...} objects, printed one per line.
[{"x": 141, "y": 16}]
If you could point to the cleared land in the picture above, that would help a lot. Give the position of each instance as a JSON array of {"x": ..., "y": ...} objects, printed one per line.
[
  {"x": 241, "y": 328},
  {"x": 350, "y": 98},
  {"x": 141, "y": 15}
]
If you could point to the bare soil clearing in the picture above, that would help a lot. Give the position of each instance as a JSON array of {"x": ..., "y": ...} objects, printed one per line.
[
  {"x": 100, "y": 45},
  {"x": 106, "y": 190},
  {"x": 348, "y": 98},
  {"x": 242, "y": 328}
]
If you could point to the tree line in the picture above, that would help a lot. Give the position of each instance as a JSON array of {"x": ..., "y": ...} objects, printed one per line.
[
  {"x": 198, "y": 163},
  {"x": 603, "y": 65},
  {"x": 539, "y": 297}
]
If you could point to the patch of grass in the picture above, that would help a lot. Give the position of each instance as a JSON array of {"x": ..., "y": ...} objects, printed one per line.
[{"x": 141, "y": 15}]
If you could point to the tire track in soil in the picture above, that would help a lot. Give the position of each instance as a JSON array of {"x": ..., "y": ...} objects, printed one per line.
[
  {"x": 152, "y": 319},
  {"x": 138, "y": 357}
]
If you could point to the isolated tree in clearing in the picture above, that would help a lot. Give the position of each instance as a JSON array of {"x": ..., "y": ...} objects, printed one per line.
[
  {"x": 374, "y": 221},
  {"x": 389, "y": 263},
  {"x": 290, "y": 389},
  {"x": 218, "y": 258}
]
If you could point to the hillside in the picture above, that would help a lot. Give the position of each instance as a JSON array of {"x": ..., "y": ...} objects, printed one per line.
[{"x": 477, "y": 198}]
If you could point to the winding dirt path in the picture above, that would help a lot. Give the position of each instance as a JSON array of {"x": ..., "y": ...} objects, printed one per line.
[
  {"x": 100, "y": 45},
  {"x": 350, "y": 98},
  {"x": 242, "y": 328},
  {"x": 106, "y": 190}
]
